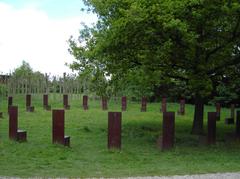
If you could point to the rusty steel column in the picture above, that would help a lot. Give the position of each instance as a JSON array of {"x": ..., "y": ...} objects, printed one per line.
[
  {"x": 58, "y": 126},
  {"x": 168, "y": 130},
  {"x": 28, "y": 100},
  {"x": 238, "y": 125},
  {"x": 218, "y": 110},
  {"x": 29, "y": 108},
  {"x": 114, "y": 130},
  {"x": 182, "y": 107},
  {"x": 144, "y": 104},
  {"x": 10, "y": 102},
  {"x": 124, "y": 103},
  {"x": 85, "y": 102},
  {"x": 104, "y": 103},
  {"x": 45, "y": 100},
  {"x": 211, "y": 136},
  {"x": 164, "y": 105},
  {"x": 65, "y": 102},
  {"x": 46, "y": 106},
  {"x": 13, "y": 122},
  {"x": 233, "y": 111},
  {"x": 58, "y": 135}
]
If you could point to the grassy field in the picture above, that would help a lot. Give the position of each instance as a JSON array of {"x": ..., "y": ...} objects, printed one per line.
[{"x": 88, "y": 155}]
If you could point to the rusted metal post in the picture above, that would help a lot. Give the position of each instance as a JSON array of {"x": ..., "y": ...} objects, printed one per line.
[
  {"x": 28, "y": 100},
  {"x": 218, "y": 110},
  {"x": 182, "y": 107},
  {"x": 144, "y": 104},
  {"x": 238, "y": 125},
  {"x": 13, "y": 122},
  {"x": 164, "y": 105},
  {"x": 46, "y": 106},
  {"x": 58, "y": 128},
  {"x": 14, "y": 132},
  {"x": 65, "y": 102},
  {"x": 233, "y": 111},
  {"x": 10, "y": 101},
  {"x": 124, "y": 103},
  {"x": 29, "y": 108},
  {"x": 211, "y": 136},
  {"x": 104, "y": 103},
  {"x": 114, "y": 130},
  {"x": 168, "y": 130},
  {"x": 85, "y": 102}
]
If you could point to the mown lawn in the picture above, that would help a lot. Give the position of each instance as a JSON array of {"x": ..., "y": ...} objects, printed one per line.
[{"x": 88, "y": 155}]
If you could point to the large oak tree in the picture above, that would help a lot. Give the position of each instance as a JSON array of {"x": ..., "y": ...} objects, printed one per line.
[{"x": 194, "y": 41}]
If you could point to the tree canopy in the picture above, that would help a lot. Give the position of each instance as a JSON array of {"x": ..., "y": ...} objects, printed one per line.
[{"x": 193, "y": 41}]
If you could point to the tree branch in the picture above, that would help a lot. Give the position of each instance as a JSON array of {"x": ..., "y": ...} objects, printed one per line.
[
  {"x": 234, "y": 61},
  {"x": 234, "y": 35},
  {"x": 177, "y": 77}
]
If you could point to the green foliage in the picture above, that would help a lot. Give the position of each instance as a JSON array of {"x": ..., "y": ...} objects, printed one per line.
[
  {"x": 194, "y": 41},
  {"x": 3, "y": 89},
  {"x": 23, "y": 71},
  {"x": 228, "y": 87}
]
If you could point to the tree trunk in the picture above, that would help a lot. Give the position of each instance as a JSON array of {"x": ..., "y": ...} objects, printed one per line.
[{"x": 197, "y": 127}]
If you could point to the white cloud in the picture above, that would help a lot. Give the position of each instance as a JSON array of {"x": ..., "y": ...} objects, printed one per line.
[{"x": 29, "y": 34}]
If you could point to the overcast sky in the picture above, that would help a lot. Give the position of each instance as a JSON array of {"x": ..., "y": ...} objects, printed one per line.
[{"x": 37, "y": 31}]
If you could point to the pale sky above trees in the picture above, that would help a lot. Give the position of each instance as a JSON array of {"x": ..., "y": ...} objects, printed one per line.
[{"x": 37, "y": 31}]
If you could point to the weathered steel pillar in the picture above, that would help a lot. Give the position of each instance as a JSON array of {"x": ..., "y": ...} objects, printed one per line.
[
  {"x": 144, "y": 104},
  {"x": 45, "y": 102},
  {"x": 85, "y": 102},
  {"x": 14, "y": 132},
  {"x": 211, "y": 136},
  {"x": 104, "y": 103},
  {"x": 29, "y": 108},
  {"x": 218, "y": 110},
  {"x": 238, "y": 125},
  {"x": 182, "y": 107},
  {"x": 114, "y": 130},
  {"x": 58, "y": 128},
  {"x": 168, "y": 130},
  {"x": 10, "y": 102},
  {"x": 65, "y": 102},
  {"x": 124, "y": 103},
  {"x": 164, "y": 105}
]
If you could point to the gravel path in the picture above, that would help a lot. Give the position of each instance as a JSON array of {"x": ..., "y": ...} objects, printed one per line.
[{"x": 203, "y": 176}]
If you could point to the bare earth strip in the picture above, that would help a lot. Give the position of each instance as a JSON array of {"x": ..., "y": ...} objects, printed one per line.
[{"x": 202, "y": 176}]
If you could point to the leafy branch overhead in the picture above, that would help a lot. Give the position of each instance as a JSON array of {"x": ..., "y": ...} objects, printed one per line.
[{"x": 189, "y": 40}]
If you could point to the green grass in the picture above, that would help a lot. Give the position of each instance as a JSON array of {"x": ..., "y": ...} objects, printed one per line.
[{"x": 88, "y": 155}]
